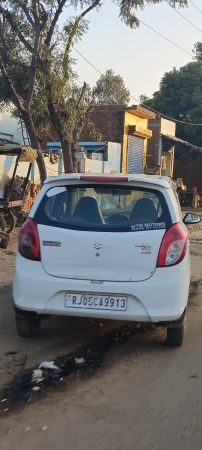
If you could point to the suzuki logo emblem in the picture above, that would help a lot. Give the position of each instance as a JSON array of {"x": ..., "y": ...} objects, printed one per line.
[{"x": 97, "y": 246}]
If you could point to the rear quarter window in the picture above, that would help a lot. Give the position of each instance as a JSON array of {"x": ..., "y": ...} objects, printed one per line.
[{"x": 92, "y": 207}]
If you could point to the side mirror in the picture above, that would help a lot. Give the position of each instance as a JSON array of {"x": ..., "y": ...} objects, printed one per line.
[{"x": 191, "y": 219}]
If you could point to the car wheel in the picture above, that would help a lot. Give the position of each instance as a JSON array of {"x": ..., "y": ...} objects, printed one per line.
[
  {"x": 4, "y": 244},
  {"x": 2, "y": 223},
  {"x": 27, "y": 327},
  {"x": 10, "y": 220},
  {"x": 175, "y": 336}
]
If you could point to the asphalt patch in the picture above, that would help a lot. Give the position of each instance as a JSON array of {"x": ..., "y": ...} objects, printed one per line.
[{"x": 20, "y": 390}]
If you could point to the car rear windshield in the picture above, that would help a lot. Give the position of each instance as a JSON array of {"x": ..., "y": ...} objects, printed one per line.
[{"x": 103, "y": 208}]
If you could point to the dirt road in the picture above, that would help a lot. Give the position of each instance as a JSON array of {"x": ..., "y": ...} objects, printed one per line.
[{"x": 143, "y": 394}]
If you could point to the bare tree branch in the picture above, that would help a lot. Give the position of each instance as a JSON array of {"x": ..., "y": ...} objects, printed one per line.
[
  {"x": 2, "y": 37},
  {"x": 8, "y": 16},
  {"x": 19, "y": 63},
  {"x": 43, "y": 14},
  {"x": 75, "y": 27},
  {"x": 24, "y": 8},
  {"x": 33, "y": 68},
  {"x": 61, "y": 4},
  {"x": 81, "y": 96},
  {"x": 35, "y": 12}
]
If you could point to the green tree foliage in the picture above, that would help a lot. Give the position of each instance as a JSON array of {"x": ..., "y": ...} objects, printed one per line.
[
  {"x": 110, "y": 89},
  {"x": 36, "y": 65},
  {"x": 197, "y": 51},
  {"x": 180, "y": 97}
]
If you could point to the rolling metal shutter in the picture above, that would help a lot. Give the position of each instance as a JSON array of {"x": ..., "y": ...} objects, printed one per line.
[{"x": 135, "y": 154}]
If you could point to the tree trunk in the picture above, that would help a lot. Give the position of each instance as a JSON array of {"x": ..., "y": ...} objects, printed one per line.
[
  {"x": 35, "y": 145},
  {"x": 74, "y": 149},
  {"x": 67, "y": 156}
]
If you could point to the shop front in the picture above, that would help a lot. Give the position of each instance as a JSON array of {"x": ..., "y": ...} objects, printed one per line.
[{"x": 135, "y": 139}]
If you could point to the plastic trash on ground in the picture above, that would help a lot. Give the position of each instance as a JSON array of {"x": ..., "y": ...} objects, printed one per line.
[
  {"x": 49, "y": 365},
  {"x": 80, "y": 361}
]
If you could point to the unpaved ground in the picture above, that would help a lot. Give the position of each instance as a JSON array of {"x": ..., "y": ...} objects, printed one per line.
[{"x": 145, "y": 395}]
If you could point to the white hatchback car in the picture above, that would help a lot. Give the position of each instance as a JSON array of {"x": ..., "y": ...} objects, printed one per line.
[{"x": 107, "y": 247}]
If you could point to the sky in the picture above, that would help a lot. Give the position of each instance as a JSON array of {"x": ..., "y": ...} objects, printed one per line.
[{"x": 140, "y": 56}]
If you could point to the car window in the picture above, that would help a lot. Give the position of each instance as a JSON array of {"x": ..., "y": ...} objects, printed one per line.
[
  {"x": 104, "y": 208},
  {"x": 177, "y": 199}
]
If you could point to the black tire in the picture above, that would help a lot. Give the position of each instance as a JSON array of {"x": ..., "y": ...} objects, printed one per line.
[
  {"x": 4, "y": 240},
  {"x": 4, "y": 243},
  {"x": 10, "y": 220},
  {"x": 2, "y": 223},
  {"x": 175, "y": 336},
  {"x": 27, "y": 327}
]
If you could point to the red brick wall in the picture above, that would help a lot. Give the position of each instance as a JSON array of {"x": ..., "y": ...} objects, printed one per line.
[{"x": 108, "y": 121}]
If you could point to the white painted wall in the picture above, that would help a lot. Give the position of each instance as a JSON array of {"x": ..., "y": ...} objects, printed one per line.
[
  {"x": 112, "y": 165},
  {"x": 52, "y": 169},
  {"x": 10, "y": 128},
  {"x": 7, "y": 164},
  {"x": 168, "y": 127}
]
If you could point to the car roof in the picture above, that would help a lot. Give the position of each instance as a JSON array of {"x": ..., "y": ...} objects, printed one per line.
[{"x": 158, "y": 180}]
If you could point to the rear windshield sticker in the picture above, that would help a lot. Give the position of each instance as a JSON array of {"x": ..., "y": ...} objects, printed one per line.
[{"x": 148, "y": 226}]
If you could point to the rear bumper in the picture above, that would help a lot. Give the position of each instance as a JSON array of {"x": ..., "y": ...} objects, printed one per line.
[{"x": 162, "y": 298}]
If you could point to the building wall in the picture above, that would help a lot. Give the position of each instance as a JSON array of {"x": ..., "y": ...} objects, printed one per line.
[
  {"x": 130, "y": 120},
  {"x": 114, "y": 158},
  {"x": 10, "y": 128},
  {"x": 153, "y": 160},
  {"x": 158, "y": 126},
  {"x": 7, "y": 164},
  {"x": 113, "y": 154},
  {"x": 51, "y": 169},
  {"x": 168, "y": 127},
  {"x": 108, "y": 121}
]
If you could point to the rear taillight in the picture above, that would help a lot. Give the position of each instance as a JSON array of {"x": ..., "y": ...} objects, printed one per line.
[
  {"x": 28, "y": 243},
  {"x": 173, "y": 247}
]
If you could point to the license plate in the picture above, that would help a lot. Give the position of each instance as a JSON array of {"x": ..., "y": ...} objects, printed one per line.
[{"x": 106, "y": 302}]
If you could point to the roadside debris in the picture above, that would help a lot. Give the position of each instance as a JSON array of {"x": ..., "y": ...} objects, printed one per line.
[
  {"x": 48, "y": 371},
  {"x": 37, "y": 376},
  {"x": 86, "y": 360},
  {"x": 27, "y": 429},
  {"x": 80, "y": 361},
  {"x": 49, "y": 365},
  {"x": 36, "y": 388},
  {"x": 44, "y": 428}
]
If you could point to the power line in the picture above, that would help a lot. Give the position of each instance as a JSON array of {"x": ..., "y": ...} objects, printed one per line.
[
  {"x": 195, "y": 6},
  {"x": 159, "y": 34},
  {"x": 187, "y": 20},
  {"x": 166, "y": 39},
  {"x": 146, "y": 106}
]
